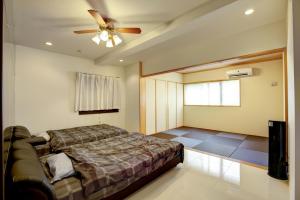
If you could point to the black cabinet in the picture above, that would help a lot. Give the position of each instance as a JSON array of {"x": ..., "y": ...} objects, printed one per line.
[{"x": 278, "y": 167}]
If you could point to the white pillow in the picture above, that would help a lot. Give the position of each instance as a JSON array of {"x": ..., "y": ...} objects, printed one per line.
[
  {"x": 60, "y": 166},
  {"x": 42, "y": 134}
]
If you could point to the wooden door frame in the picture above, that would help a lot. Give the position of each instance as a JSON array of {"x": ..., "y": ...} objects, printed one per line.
[
  {"x": 142, "y": 100},
  {"x": 286, "y": 114},
  {"x": 1, "y": 111}
]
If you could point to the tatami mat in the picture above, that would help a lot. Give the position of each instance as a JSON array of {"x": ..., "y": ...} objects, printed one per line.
[
  {"x": 188, "y": 142},
  {"x": 219, "y": 149},
  {"x": 256, "y": 157},
  {"x": 247, "y": 148},
  {"x": 176, "y": 132}
]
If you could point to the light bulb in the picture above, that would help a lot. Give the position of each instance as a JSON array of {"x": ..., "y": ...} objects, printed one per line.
[
  {"x": 109, "y": 43},
  {"x": 48, "y": 43},
  {"x": 104, "y": 35},
  {"x": 117, "y": 39},
  {"x": 249, "y": 11},
  {"x": 97, "y": 39}
]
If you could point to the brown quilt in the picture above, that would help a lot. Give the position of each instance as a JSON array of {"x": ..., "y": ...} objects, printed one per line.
[
  {"x": 42, "y": 149},
  {"x": 65, "y": 137},
  {"x": 110, "y": 165}
]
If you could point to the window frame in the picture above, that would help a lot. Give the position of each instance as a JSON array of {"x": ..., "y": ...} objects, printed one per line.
[{"x": 213, "y": 81}]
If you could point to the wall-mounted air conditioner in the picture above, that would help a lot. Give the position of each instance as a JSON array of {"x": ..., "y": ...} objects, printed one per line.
[{"x": 237, "y": 73}]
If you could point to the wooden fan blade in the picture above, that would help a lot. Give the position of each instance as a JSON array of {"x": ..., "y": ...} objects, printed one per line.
[
  {"x": 86, "y": 31},
  {"x": 99, "y": 19},
  {"x": 129, "y": 30},
  {"x": 109, "y": 20}
]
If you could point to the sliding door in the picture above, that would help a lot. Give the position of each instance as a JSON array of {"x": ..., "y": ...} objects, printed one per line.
[
  {"x": 172, "y": 105},
  {"x": 150, "y": 106},
  {"x": 161, "y": 106},
  {"x": 179, "y": 105}
]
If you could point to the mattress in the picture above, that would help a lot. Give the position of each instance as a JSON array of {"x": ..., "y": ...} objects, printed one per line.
[{"x": 107, "y": 166}]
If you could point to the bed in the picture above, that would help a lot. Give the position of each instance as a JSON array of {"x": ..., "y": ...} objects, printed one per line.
[
  {"x": 112, "y": 165},
  {"x": 62, "y": 138},
  {"x": 78, "y": 135}
]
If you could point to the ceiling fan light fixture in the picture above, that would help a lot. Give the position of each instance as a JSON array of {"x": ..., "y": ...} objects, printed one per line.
[
  {"x": 106, "y": 30},
  {"x": 117, "y": 39},
  {"x": 104, "y": 35},
  {"x": 109, "y": 43},
  {"x": 97, "y": 39}
]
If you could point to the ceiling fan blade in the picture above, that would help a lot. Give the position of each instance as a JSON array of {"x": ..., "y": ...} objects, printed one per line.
[
  {"x": 109, "y": 20},
  {"x": 99, "y": 19},
  {"x": 129, "y": 30},
  {"x": 86, "y": 31}
]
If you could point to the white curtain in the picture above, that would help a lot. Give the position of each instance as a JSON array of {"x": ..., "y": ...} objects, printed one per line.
[{"x": 96, "y": 92}]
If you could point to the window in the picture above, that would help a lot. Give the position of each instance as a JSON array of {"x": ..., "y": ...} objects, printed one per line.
[
  {"x": 96, "y": 94},
  {"x": 222, "y": 93},
  {"x": 231, "y": 93}
]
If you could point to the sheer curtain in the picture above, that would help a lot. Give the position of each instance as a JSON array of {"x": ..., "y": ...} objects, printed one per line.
[{"x": 96, "y": 92}]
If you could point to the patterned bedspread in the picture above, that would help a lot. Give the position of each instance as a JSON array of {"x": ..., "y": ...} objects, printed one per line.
[
  {"x": 65, "y": 137},
  {"x": 110, "y": 165},
  {"x": 42, "y": 149}
]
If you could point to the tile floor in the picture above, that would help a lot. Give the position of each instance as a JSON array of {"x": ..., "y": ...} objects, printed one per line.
[
  {"x": 207, "y": 177},
  {"x": 251, "y": 149}
]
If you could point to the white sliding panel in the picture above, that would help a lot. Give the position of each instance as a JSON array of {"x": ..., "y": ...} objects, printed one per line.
[
  {"x": 150, "y": 106},
  {"x": 161, "y": 106},
  {"x": 179, "y": 104},
  {"x": 172, "y": 105}
]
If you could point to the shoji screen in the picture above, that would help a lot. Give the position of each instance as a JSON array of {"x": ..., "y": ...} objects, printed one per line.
[
  {"x": 172, "y": 105},
  {"x": 150, "y": 106},
  {"x": 179, "y": 105},
  {"x": 161, "y": 106}
]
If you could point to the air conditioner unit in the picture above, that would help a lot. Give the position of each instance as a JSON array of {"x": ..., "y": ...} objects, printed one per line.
[{"x": 237, "y": 73}]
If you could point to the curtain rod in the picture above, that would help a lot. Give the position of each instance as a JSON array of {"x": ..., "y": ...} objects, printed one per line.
[{"x": 99, "y": 75}]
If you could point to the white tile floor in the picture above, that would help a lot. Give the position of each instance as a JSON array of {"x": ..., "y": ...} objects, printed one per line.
[{"x": 206, "y": 177}]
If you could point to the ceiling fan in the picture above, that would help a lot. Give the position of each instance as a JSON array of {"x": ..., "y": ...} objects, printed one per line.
[{"x": 107, "y": 32}]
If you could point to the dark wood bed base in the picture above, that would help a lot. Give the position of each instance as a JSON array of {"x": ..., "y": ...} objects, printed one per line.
[{"x": 147, "y": 179}]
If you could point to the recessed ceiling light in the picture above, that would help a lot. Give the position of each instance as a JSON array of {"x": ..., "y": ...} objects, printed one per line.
[
  {"x": 49, "y": 43},
  {"x": 121, "y": 60},
  {"x": 249, "y": 11}
]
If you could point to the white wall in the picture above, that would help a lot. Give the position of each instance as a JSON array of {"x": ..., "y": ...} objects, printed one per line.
[
  {"x": 45, "y": 90},
  {"x": 257, "y": 94},
  {"x": 132, "y": 82},
  {"x": 293, "y": 52},
  {"x": 8, "y": 63},
  {"x": 193, "y": 53},
  {"x": 8, "y": 93},
  {"x": 172, "y": 77}
]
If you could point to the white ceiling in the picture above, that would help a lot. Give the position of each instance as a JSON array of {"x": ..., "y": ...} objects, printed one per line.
[
  {"x": 165, "y": 24},
  {"x": 38, "y": 21},
  {"x": 224, "y": 22}
]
